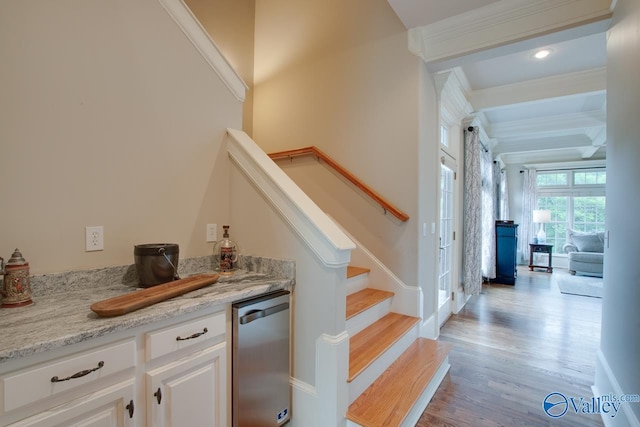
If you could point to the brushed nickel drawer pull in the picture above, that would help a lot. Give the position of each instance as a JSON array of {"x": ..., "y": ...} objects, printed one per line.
[
  {"x": 196, "y": 335},
  {"x": 77, "y": 374}
]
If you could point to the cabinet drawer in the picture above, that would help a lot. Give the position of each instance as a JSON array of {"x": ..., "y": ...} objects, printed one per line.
[
  {"x": 49, "y": 379},
  {"x": 164, "y": 341}
]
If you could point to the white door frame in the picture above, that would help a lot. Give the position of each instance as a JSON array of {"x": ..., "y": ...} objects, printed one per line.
[{"x": 448, "y": 247}]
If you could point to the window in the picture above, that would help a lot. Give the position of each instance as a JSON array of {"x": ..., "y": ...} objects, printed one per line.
[
  {"x": 444, "y": 135},
  {"x": 552, "y": 179},
  {"x": 590, "y": 178},
  {"x": 556, "y": 230},
  {"x": 576, "y": 200},
  {"x": 588, "y": 213}
]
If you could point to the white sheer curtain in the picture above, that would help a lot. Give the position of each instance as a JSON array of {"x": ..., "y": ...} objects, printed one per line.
[
  {"x": 472, "y": 214},
  {"x": 489, "y": 209},
  {"x": 529, "y": 200},
  {"x": 503, "y": 211}
]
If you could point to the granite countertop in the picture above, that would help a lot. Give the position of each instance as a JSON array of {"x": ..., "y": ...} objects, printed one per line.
[{"x": 61, "y": 316}]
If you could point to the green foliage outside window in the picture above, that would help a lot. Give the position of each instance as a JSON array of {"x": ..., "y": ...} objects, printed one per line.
[
  {"x": 569, "y": 206},
  {"x": 590, "y": 178},
  {"x": 552, "y": 179}
]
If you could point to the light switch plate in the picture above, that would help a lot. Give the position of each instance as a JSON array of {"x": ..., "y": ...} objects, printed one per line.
[{"x": 212, "y": 232}]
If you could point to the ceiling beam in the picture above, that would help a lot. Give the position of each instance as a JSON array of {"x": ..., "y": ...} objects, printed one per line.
[
  {"x": 588, "y": 81},
  {"x": 562, "y": 124},
  {"x": 543, "y": 144},
  {"x": 502, "y": 23}
]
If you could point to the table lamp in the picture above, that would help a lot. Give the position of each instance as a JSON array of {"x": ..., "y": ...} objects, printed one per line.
[{"x": 541, "y": 216}]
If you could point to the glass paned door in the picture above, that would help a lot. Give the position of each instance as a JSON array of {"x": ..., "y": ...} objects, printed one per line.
[{"x": 446, "y": 241}]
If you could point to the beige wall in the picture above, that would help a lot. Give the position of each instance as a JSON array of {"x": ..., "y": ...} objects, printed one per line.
[
  {"x": 338, "y": 75},
  {"x": 230, "y": 23},
  {"x": 108, "y": 116}
]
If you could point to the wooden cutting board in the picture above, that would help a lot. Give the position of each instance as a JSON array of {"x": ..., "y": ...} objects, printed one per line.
[{"x": 127, "y": 303}]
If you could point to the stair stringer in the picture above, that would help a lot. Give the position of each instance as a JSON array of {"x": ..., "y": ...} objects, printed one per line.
[{"x": 407, "y": 299}]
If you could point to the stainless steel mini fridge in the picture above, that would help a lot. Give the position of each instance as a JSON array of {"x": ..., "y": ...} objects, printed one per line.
[{"x": 261, "y": 389}]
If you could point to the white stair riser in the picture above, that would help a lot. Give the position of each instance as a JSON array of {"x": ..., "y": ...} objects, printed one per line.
[
  {"x": 373, "y": 371},
  {"x": 368, "y": 317},
  {"x": 357, "y": 283}
]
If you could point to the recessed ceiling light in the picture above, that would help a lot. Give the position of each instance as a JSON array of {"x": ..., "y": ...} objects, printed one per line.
[{"x": 542, "y": 53}]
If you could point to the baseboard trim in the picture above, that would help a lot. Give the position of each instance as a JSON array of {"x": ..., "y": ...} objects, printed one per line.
[
  {"x": 461, "y": 299},
  {"x": 605, "y": 383},
  {"x": 428, "y": 328}
]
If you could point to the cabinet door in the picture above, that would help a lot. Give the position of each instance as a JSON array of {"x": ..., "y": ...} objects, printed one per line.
[
  {"x": 110, "y": 407},
  {"x": 191, "y": 391}
]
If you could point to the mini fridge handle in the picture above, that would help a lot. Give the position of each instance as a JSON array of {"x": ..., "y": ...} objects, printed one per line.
[{"x": 259, "y": 314}]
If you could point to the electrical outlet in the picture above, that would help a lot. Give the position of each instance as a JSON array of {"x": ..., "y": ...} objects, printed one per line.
[
  {"x": 212, "y": 232},
  {"x": 94, "y": 238}
]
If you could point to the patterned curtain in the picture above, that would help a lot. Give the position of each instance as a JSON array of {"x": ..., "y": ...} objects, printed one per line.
[
  {"x": 489, "y": 209},
  {"x": 529, "y": 199},
  {"x": 472, "y": 215}
]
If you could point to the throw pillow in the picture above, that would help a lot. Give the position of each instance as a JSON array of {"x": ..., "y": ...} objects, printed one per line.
[{"x": 587, "y": 242}]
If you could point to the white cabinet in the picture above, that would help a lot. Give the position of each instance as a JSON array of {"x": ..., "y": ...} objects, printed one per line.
[
  {"x": 173, "y": 373},
  {"x": 190, "y": 391},
  {"x": 95, "y": 387},
  {"x": 110, "y": 407},
  {"x": 65, "y": 375}
]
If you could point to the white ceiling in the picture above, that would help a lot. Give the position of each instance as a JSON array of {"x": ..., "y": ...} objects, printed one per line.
[{"x": 556, "y": 128}]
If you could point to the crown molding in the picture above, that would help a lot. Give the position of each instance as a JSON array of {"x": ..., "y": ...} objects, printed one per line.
[
  {"x": 579, "y": 82},
  {"x": 597, "y": 135},
  {"x": 454, "y": 105},
  {"x": 501, "y": 23},
  {"x": 190, "y": 26}
]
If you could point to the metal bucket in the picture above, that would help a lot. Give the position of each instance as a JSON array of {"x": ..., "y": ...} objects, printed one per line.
[{"x": 156, "y": 263}]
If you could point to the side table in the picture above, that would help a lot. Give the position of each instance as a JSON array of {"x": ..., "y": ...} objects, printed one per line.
[{"x": 544, "y": 249}]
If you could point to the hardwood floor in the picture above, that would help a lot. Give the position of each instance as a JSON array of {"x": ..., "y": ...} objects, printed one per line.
[{"x": 512, "y": 346}]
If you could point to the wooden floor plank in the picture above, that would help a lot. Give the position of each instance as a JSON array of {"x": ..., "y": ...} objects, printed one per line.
[
  {"x": 364, "y": 299},
  {"x": 513, "y": 345},
  {"x": 389, "y": 399},
  {"x": 353, "y": 271},
  {"x": 368, "y": 344}
]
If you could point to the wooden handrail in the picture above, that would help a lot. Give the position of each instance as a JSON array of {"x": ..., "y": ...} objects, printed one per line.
[{"x": 387, "y": 206}]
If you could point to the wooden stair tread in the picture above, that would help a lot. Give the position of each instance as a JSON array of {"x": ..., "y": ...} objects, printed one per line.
[
  {"x": 390, "y": 398},
  {"x": 368, "y": 344},
  {"x": 353, "y": 271},
  {"x": 362, "y": 300}
]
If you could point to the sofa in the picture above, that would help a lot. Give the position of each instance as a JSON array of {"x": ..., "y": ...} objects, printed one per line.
[{"x": 585, "y": 252}]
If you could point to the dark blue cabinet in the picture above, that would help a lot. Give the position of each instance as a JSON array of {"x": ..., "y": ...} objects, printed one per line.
[{"x": 506, "y": 252}]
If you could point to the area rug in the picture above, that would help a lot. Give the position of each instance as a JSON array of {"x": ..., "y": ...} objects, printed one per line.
[{"x": 580, "y": 285}]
